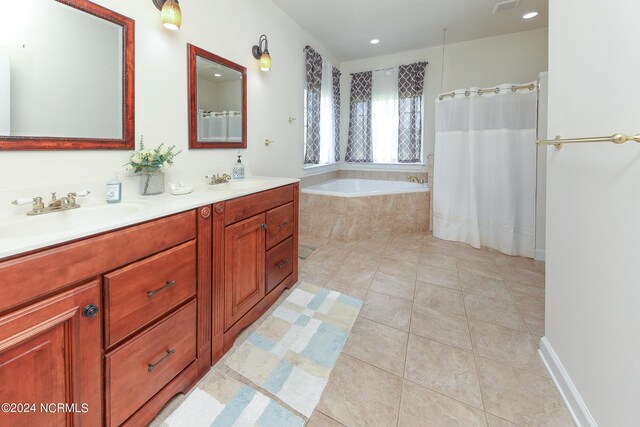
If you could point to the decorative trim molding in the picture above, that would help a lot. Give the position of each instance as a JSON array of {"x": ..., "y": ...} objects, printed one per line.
[{"x": 577, "y": 408}]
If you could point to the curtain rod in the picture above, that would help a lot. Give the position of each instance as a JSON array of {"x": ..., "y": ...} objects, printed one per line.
[
  {"x": 383, "y": 69},
  {"x": 514, "y": 88}
]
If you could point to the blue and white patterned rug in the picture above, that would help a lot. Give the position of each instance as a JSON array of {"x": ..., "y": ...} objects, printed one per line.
[
  {"x": 220, "y": 401},
  {"x": 290, "y": 356}
]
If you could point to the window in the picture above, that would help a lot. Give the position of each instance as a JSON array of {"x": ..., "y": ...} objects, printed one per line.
[
  {"x": 321, "y": 111},
  {"x": 384, "y": 116},
  {"x": 385, "y": 122}
]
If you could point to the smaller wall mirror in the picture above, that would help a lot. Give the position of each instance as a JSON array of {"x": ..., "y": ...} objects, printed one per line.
[{"x": 217, "y": 101}]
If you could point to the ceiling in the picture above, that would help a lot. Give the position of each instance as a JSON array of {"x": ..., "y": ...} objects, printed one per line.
[
  {"x": 345, "y": 27},
  {"x": 207, "y": 70}
]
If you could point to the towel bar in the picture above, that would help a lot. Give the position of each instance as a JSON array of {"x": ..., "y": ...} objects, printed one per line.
[{"x": 617, "y": 138}]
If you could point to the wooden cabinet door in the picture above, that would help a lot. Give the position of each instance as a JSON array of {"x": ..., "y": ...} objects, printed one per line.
[
  {"x": 244, "y": 267},
  {"x": 50, "y": 355}
]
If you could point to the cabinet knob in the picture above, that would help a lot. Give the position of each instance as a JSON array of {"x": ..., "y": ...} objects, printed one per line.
[
  {"x": 90, "y": 311},
  {"x": 264, "y": 226}
]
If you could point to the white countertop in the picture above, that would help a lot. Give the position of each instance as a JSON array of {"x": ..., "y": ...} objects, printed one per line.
[{"x": 20, "y": 233}]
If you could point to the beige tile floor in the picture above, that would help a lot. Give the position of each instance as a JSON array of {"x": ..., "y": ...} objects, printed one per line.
[{"x": 447, "y": 336}]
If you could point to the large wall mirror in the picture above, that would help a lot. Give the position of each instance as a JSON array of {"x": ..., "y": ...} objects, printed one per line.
[
  {"x": 217, "y": 101},
  {"x": 66, "y": 76}
]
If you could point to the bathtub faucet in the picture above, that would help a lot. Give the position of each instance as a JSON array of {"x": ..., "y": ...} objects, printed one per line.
[{"x": 417, "y": 180}]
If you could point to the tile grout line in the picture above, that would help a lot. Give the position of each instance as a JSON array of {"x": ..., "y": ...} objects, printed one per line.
[
  {"x": 406, "y": 354},
  {"x": 475, "y": 359},
  {"x": 328, "y": 416}
]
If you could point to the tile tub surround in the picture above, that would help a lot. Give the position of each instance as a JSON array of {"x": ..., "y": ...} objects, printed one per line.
[
  {"x": 381, "y": 175},
  {"x": 310, "y": 180},
  {"x": 351, "y": 219}
]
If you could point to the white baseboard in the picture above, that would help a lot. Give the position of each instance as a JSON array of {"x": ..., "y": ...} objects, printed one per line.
[
  {"x": 540, "y": 255},
  {"x": 578, "y": 409}
]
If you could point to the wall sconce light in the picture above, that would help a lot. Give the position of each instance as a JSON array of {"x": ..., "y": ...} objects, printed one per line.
[
  {"x": 171, "y": 14},
  {"x": 262, "y": 53}
]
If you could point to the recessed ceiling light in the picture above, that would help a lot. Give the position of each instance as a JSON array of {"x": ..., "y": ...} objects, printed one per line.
[
  {"x": 218, "y": 75},
  {"x": 374, "y": 41},
  {"x": 529, "y": 15}
]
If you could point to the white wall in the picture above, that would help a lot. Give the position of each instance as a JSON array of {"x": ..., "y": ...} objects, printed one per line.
[
  {"x": 5, "y": 95},
  {"x": 222, "y": 96},
  {"x": 541, "y": 176},
  {"x": 512, "y": 58},
  {"x": 228, "y": 28},
  {"x": 208, "y": 97},
  {"x": 593, "y": 205}
]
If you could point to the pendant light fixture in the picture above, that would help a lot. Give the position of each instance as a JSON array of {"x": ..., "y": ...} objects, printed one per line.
[
  {"x": 170, "y": 13},
  {"x": 261, "y": 52}
]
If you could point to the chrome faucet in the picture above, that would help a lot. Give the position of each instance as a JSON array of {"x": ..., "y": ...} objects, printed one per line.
[
  {"x": 217, "y": 179},
  {"x": 417, "y": 180},
  {"x": 54, "y": 205}
]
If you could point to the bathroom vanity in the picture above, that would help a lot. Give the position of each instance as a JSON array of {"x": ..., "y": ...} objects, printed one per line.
[{"x": 114, "y": 324}]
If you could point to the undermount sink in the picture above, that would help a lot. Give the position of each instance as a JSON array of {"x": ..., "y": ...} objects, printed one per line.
[
  {"x": 241, "y": 184},
  {"x": 57, "y": 222}
]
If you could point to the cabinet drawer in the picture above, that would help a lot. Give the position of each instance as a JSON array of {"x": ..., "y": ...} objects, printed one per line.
[
  {"x": 279, "y": 263},
  {"x": 247, "y": 206},
  {"x": 49, "y": 270},
  {"x": 140, "y": 368},
  {"x": 141, "y": 292},
  {"x": 279, "y": 224}
]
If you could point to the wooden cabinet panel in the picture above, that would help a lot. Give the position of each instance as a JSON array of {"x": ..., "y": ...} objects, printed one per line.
[
  {"x": 144, "y": 365},
  {"x": 50, "y": 353},
  {"x": 244, "y": 267},
  {"x": 279, "y": 224},
  {"x": 143, "y": 291},
  {"x": 279, "y": 263},
  {"x": 26, "y": 278},
  {"x": 248, "y": 206}
]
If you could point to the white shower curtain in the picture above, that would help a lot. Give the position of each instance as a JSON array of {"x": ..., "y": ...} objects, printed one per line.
[{"x": 485, "y": 170}]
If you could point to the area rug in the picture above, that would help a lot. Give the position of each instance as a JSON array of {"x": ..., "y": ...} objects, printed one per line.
[
  {"x": 292, "y": 353},
  {"x": 221, "y": 401},
  {"x": 304, "y": 251}
]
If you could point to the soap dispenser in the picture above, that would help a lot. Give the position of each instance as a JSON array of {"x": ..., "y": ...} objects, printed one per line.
[
  {"x": 114, "y": 190},
  {"x": 238, "y": 169}
]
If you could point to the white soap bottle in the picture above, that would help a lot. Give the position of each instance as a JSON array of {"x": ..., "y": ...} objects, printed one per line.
[{"x": 114, "y": 190}]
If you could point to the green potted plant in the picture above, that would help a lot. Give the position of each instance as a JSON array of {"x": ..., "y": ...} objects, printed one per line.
[{"x": 150, "y": 165}]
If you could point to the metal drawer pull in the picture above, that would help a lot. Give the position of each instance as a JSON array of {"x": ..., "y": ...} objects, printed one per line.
[
  {"x": 151, "y": 366},
  {"x": 264, "y": 226},
  {"x": 169, "y": 283},
  {"x": 284, "y": 223},
  {"x": 283, "y": 263}
]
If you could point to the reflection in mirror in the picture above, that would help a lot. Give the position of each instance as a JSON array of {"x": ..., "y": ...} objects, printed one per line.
[
  {"x": 66, "y": 76},
  {"x": 217, "y": 113}
]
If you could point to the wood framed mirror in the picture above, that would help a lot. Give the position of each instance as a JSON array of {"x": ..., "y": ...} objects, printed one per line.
[
  {"x": 66, "y": 77},
  {"x": 217, "y": 101}
]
